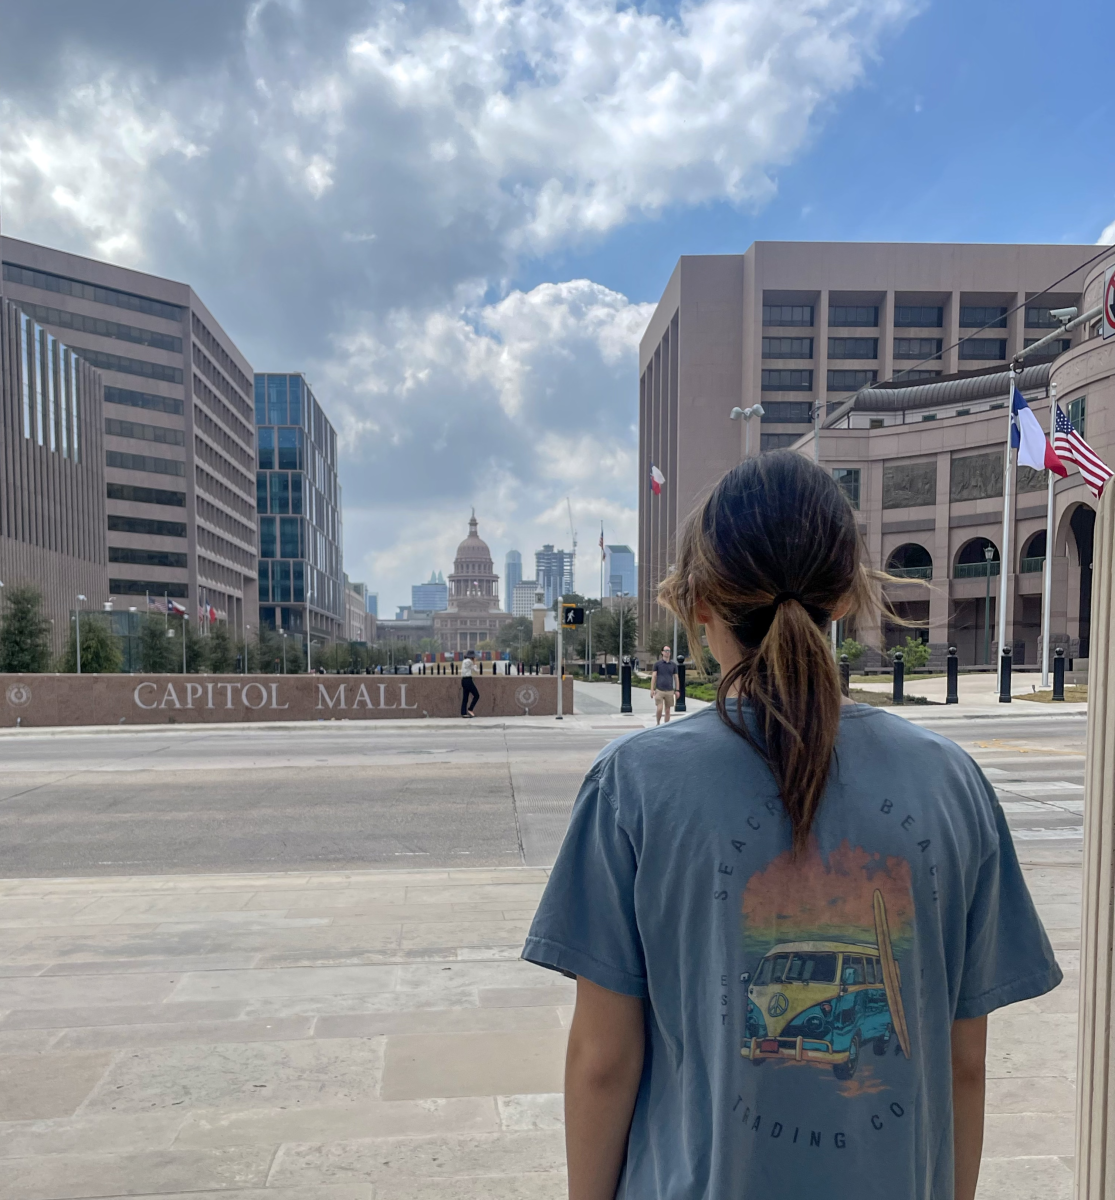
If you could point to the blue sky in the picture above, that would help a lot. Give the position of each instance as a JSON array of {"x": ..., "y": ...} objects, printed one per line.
[{"x": 456, "y": 215}]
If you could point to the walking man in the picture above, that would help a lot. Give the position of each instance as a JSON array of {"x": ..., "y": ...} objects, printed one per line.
[
  {"x": 469, "y": 695},
  {"x": 664, "y": 685}
]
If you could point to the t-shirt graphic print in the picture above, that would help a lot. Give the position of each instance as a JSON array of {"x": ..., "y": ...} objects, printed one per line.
[{"x": 798, "y": 1008}]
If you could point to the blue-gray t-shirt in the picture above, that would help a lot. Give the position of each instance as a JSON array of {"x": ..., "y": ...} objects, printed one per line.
[{"x": 798, "y": 1012}]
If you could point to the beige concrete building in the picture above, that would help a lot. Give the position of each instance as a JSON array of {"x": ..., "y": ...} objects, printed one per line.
[
  {"x": 474, "y": 614},
  {"x": 176, "y": 423},
  {"x": 799, "y": 328},
  {"x": 52, "y": 473}
]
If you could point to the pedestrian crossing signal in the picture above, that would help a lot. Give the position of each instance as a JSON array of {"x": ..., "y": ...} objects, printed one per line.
[{"x": 572, "y": 615}]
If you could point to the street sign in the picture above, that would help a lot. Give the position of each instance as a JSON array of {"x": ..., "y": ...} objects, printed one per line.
[
  {"x": 572, "y": 615},
  {"x": 1109, "y": 302}
]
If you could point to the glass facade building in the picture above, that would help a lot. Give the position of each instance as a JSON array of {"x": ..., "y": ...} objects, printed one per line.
[
  {"x": 619, "y": 571},
  {"x": 298, "y": 499}
]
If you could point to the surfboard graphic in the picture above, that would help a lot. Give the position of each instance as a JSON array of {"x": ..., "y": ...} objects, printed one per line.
[{"x": 890, "y": 973}]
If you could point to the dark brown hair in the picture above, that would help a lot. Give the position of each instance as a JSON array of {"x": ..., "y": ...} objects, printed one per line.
[{"x": 774, "y": 551}]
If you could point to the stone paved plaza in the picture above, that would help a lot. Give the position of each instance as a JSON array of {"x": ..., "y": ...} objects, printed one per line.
[{"x": 339, "y": 1034}]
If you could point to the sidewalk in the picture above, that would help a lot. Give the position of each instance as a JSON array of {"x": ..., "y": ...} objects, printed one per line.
[
  {"x": 978, "y": 690},
  {"x": 358, "y": 1036}
]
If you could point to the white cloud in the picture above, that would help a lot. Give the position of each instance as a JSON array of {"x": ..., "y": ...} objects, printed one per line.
[
  {"x": 1107, "y": 238},
  {"x": 348, "y": 186}
]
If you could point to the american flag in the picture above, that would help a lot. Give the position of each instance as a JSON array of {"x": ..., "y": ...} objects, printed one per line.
[{"x": 1071, "y": 447}]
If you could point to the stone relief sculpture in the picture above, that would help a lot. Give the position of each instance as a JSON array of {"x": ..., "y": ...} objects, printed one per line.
[
  {"x": 976, "y": 476},
  {"x": 909, "y": 485}
]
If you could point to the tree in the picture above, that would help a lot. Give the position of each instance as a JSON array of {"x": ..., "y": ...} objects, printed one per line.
[
  {"x": 606, "y": 627},
  {"x": 100, "y": 647},
  {"x": 220, "y": 651},
  {"x": 915, "y": 653},
  {"x": 157, "y": 652},
  {"x": 853, "y": 649},
  {"x": 516, "y": 634},
  {"x": 540, "y": 651},
  {"x": 662, "y": 634},
  {"x": 25, "y": 631}
]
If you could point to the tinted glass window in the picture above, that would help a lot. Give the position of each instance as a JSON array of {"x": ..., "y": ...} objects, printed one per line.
[
  {"x": 290, "y": 445},
  {"x": 280, "y": 492},
  {"x": 788, "y": 314},
  {"x": 266, "y": 448},
  {"x": 854, "y": 971},
  {"x": 975, "y": 316},
  {"x": 265, "y": 581},
  {"x": 787, "y": 381},
  {"x": 296, "y": 493},
  {"x": 787, "y": 347},
  {"x": 918, "y": 316},
  {"x": 289, "y": 529},
  {"x": 872, "y": 963},
  {"x": 917, "y": 347},
  {"x": 983, "y": 348},
  {"x": 848, "y": 479},
  {"x": 261, "y": 491},
  {"x": 840, "y": 347},
  {"x": 267, "y": 537},
  {"x": 846, "y": 315},
  {"x": 850, "y": 381},
  {"x": 812, "y": 968},
  {"x": 295, "y": 400},
  {"x": 261, "y": 400},
  {"x": 276, "y": 400}
]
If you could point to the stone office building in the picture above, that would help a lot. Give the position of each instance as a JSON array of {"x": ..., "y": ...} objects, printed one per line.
[
  {"x": 52, "y": 472},
  {"x": 175, "y": 427},
  {"x": 799, "y": 328}
]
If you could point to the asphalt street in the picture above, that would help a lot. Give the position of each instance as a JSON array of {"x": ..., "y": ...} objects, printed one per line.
[{"x": 340, "y": 795}]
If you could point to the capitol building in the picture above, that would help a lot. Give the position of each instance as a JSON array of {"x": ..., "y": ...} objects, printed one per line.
[{"x": 474, "y": 613}]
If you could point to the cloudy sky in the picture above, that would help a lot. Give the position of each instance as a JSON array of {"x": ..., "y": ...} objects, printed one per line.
[{"x": 456, "y": 215}]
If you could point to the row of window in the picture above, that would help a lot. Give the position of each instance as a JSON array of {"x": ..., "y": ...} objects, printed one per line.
[
  {"x": 144, "y": 462},
  {"x": 146, "y": 495},
  {"x": 51, "y": 390},
  {"x": 145, "y": 433},
  {"x": 146, "y": 558},
  {"x": 906, "y": 316},
  {"x": 132, "y": 366},
  {"x": 279, "y": 399},
  {"x": 148, "y": 587},
  {"x": 166, "y": 404},
  {"x": 119, "y": 524},
  {"x": 64, "y": 286},
  {"x": 989, "y": 349},
  {"x": 282, "y": 582},
  {"x": 278, "y": 492},
  {"x": 101, "y": 328}
]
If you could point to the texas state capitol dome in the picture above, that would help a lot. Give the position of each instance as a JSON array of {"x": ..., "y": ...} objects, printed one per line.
[{"x": 474, "y": 614}]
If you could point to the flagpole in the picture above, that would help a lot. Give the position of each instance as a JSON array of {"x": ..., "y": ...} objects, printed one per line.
[
  {"x": 1004, "y": 556},
  {"x": 1047, "y": 568}
]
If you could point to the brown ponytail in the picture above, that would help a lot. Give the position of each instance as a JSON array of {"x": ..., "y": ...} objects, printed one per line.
[{"x": 773, "y": 552}]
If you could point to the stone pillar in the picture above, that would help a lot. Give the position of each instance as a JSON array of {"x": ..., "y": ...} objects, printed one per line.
[{"x": 1095, "y": 1072}]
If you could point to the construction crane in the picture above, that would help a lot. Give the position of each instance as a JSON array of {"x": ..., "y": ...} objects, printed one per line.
[{"x": 573, "y": 555}]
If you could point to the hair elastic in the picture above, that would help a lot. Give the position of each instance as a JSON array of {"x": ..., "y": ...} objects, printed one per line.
[{"x": 782, "y": 597}]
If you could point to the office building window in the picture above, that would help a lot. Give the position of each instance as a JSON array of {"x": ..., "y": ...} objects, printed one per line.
[
  {"x": 267, "y": 546},
  {"x": 788, "y": 314},
  {"x": 1076, "y": 412},
  {"x": 115, "y": 395},
  {"x": 787, "y": 347},
  {"x": 917, "y": 347},
  {"x": 787, "y": 380},
  {"x": 261, "y": 399},
  {"x": 295, "y": 385},
  {"x": 280, "y": 582},
  {"x": 110, "y": 329},
  {"x": 264, "y": 581},
  {"x": 850, "y": 381},
  {"x": 915, "y": 373},
  {"x": 1041, "y": 318},
  {"x": 777, "y": 441},
  {"x": 265, "y": 448},
  {"x": 918, "y": 316},
  {"x": 975, "y": 316},
  {"x": 276, "y": 400},
  {"x": 62, "y": 286},
  {"x": 146, "y": 558},
  {"x": 146, "y": 495},
  {"x": 143, "y": 525},
  {"x": 280, "y": 492},
  {"x": 144, "y": 462},
  {"x": 848, "y": 479},
  {"x": 290, "y": 450},
  {"x": 261, "y": 491},
  {"x": 983, "y": 348},
  {"x": 843, "y": 316},
  {"x": 148, "y": 587},
  {"x": 144, "y": 433},
  {"x": 296, "y": 493},
  {"x": 1050, "y": 349},
  {"x": 290, "y": 537},
  {"x": 132, "y": 366},
  {"x": 853, "y": 347},
  {"x": 788, "y": 412}
]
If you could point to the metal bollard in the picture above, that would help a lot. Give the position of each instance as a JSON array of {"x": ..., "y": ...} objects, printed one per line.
[
  {"x": 680, "y": 705},
  {"x": 845, "y": 675},
  {"x": 899, "y": 678},
  {"x": 625, "y": 687},
  {"x": 1059, "y": 673},
  {"x": 1004, "y": 677},
  {"x": 952, "y": 669}
]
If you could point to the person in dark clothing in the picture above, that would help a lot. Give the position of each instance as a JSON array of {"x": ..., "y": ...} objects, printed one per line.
[
  {"x": 470, "y": 696},
  {"x": 663, "y": 685}
]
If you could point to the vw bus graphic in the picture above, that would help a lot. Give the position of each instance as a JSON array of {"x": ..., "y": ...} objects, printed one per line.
[{"x": 826, "y": 1001}]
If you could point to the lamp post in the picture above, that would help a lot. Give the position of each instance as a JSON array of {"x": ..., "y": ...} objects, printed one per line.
[
  {"x": 988, "y": 554},
  {"x": 284, "y": 651},
  {"x": 756, "y": 410},
  {"x": 77, "y": 621}
]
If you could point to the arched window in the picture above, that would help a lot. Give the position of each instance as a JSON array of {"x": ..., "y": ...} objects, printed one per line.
[
  {"x": 910, "y": 561},
  {"x": 1033, "y": 554},
  {"x": 973, "y": 560}
]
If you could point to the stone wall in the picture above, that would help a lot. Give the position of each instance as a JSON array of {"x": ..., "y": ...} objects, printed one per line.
[{"x": 46, "y": 700}]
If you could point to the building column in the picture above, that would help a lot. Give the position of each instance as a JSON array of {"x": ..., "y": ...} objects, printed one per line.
[
  {"x": 1095, "y": 1075},
  {"x": 821, "y": 351},
  {"x": 939, "y": 608}
]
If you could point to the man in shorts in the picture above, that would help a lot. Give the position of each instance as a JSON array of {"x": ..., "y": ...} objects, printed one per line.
[{"x": 664, "y": 685}]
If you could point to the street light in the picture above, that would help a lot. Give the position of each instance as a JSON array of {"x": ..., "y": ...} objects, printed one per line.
[
  {"x": 77, "y": 619},
  {"x": 988, "y": 554},
  {"x": 756, "y": 410}
]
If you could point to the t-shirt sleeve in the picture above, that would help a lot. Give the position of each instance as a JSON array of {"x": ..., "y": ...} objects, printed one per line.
[
  {"x": 585, "y": 924},
  {"x": 1007, "y": 955}
]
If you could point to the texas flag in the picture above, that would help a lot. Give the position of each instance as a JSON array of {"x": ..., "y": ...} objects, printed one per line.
[
  {"x": 1031, "y": 443},
  {"x": 657, "y": 479},
  {"x": 176, "y": 609}
]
